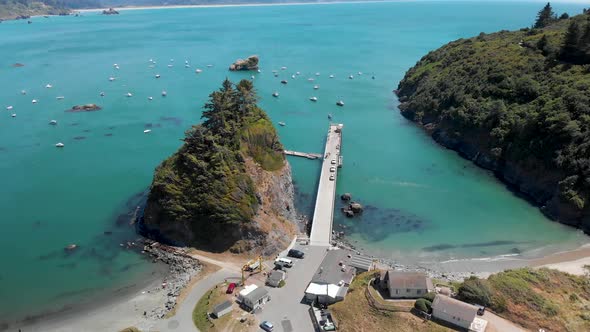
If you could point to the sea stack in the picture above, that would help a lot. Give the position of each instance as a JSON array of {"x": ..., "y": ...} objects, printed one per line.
[{"x": 251, "y": 63}]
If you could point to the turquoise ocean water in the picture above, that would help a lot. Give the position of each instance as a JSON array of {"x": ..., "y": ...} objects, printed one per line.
[{"x": 423, "y": 202}]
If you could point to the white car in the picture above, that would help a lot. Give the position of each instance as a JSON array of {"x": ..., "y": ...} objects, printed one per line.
[
  {"x": 331, "y": 177},
  {"x": 332, "y": 169},
  {"x": 333, "y": 162}
]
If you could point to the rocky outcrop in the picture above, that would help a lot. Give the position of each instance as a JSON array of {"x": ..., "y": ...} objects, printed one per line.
[
  {"x": 110, "y": 11},
  {"x": 251, "y": 63},
  {"x": 84, "y": 108}
]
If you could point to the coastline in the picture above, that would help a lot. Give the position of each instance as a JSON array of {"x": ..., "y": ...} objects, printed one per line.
[
  {"x": 90, "y": 10},
  {"x": 141, "y": 305}
]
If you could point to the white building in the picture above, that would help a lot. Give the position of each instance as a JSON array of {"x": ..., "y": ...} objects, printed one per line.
[{"x": 457, "y": 313}]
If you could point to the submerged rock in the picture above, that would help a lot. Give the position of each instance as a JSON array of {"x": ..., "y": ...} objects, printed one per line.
[
  {"x": 346, "y": 197},
  {"x": 251, "y": 63},
  {"x": 85, "y": 108},
  {"x": 356, "y": 207}
]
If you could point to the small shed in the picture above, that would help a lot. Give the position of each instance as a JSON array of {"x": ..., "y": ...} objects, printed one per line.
[
  {"x": 275, "y": 278},
  {"x": 362, "y": 263},
  {"x": 222, "y": 309}
]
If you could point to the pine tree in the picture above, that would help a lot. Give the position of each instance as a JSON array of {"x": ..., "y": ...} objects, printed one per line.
[
  {"x": 542, "y": 45},
  {"x": 545, "y": 17},
  {"x": 584, "y": 43},
  {"x": 569, "y": 49}
]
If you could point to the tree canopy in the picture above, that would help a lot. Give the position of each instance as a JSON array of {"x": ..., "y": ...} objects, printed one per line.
[
  {"x": 545, "y": 17},
  {"x": 204, "y": 185},
  {"x": 517, "y": 103}
]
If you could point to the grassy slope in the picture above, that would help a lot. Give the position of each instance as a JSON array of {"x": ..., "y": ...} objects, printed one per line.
[
  {"x": 13, "y": 10},
  {"x": 540, "y": 298},
  {"x": 355, "y": 314}
]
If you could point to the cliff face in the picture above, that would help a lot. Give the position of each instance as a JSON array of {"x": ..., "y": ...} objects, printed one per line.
[
  {"x": 229, "y": 186},
  {"x": 504, "y": 102}
]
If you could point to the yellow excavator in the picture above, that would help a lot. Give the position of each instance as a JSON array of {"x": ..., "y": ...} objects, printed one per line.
[{"x": 251, "y": 266}]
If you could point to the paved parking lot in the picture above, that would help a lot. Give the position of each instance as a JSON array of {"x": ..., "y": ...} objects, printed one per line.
[{"x": 286, "y": 310}]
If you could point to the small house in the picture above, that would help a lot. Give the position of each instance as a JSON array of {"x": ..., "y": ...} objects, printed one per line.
[
  {"x": 222, "y": 309},
  {"x": 457, "y": 313},
  {"x": 406, "y": 285},
  {"x": 254, "y": 298},
  {"x": 275, "y": 277}
]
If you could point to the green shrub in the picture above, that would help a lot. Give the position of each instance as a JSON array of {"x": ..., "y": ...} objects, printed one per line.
[
  {"x": 282, "y": 283},
  {"x": 423, "y": 305},
  {"x": 475, "y": 290},
  {"x": 429, "y": 296}
]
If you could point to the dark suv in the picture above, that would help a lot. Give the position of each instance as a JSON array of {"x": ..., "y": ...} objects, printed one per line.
[{"x": 296, "y": 253}]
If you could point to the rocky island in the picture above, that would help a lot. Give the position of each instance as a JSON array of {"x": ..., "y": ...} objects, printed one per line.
[
  {"x": 516, "y": 103},
  {"x": 110, "y": 11},
  {"x": 84, "y": 108},
  {"x": 251, "y": 63},
  {"x": 229, "y": 185}
]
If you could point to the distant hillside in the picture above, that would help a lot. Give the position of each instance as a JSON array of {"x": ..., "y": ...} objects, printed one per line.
[{"x": 517, "y": 103}]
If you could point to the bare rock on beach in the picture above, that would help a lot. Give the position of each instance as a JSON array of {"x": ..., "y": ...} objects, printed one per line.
[
  {"x": 251, "y": 63},
  {"x": 110, "y": 11}
]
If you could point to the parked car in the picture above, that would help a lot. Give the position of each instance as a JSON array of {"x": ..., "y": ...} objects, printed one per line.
[
  {"x": 333, "y": 162},
  {"x": 331, "y": 177},
  {"x": 332, "y": 169},
  {"x": 480, "y": 309},
  {"x": 296, "y": 253},
  {"x": 230, "y": 288},
  {"x": 267, "y": 326},
  {"x": 284, "y": 262}
]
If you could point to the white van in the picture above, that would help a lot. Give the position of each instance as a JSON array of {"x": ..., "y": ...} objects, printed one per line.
[{"x": 284, "y": 261}]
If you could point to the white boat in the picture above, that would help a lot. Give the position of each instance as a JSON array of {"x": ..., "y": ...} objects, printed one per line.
[
  {"x": 147, "y": 131},
  {"x": 187, "y": 66},
  {"x": 282, "y": 124},
  {"x": 164, "y": 93},
  {"x": 275, "y": 94},
  {"x": 313, "y": 98},
  {"x": 311, "y": 79},
  {"x": 209, "y": 66},
  {"x": 150, "y": 98},
  {"x": 283, "y": 68},
  {"x": 34, "y": 101},
  {"x": 53, "y": 122},
  {"x": 49, "y": 86},
  {"x": 340, "y": 103},
  {"x": 315, "y": 87},
  {"x": 293, "y": 76},
  {"x": 129, "y": 94},
  {"x": 59, "y": 97},
  {"x": 13, "y": 115},
  {"x": 115, "y": 65},
  {"x": 186, "y": 62},
  {"x": 151, "y": 60},
  {"x": 297, "y": 73},
  {"x": 198, "y": 71},
  {"x": 317, "y": 74},
  {"x": 59, "y": 145},
  {"x": 360, "y": 73},
  {"x": 23, "y": 92},
  {"x": 157, "y": 75},
  {"x": 259, "y": 71},
  {"x": 102, "y": 94},
  {"x": 9, "y": 107},
  {"x": 331, "y": 76},
  {"x": 111, "y": 79},
  {"x": 252, "y": 77},
  {"x": 350, "y": 77},
  {"x": 169, "y": 66},
  {"x": 329, "y": 116}
]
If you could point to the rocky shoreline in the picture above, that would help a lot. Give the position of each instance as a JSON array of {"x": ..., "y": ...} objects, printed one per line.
[{"x": 183, "y": 268}]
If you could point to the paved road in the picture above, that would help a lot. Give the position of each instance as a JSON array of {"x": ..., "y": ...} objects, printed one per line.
[
  {"x": 285, "y": 309},
  {"x": 321, "y": 229},
  {"x": 499, "y": 324},
  {"x": 183, "y": 320}
]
